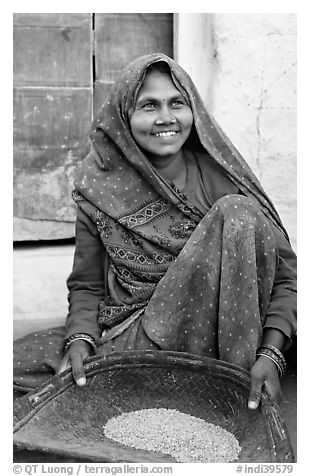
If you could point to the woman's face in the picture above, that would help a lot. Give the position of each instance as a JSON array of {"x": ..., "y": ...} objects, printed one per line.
[{"x": 162, "y": 120}]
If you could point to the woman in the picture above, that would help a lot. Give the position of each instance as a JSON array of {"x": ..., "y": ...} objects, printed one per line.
[{"x": 177, "y": 245}]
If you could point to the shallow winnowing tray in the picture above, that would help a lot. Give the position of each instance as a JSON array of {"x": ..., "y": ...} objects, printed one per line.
[{"x": 61, "y": 420}]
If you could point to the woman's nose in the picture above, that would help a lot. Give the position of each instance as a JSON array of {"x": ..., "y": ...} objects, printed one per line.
[{"x": 165, "y": 116}]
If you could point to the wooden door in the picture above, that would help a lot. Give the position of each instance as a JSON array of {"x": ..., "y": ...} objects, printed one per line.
[
  {"x": 120, "y": 38},
  {"x": 64, "y": 66}
]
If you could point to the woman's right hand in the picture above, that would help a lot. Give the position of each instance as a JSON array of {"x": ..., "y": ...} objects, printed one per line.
[{"x": 74, "y": 357}]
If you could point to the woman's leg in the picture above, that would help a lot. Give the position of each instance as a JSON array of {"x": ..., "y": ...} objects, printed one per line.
[
  {"x": 37, "y": 355},
  {"x": 213, "y": 299},
  {"x": 36, "y": 358}
]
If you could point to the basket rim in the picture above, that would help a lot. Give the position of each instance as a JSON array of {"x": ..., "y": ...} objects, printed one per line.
[
  {"x": 35, "y": 399},
  {"x": 26, "y": 407}
]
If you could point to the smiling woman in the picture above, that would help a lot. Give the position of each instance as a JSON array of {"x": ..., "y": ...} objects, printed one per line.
[
  {"x": 162, "y": 119},
  {"x": 178, "y": 247},
  {"x": 161, "y": 123}
]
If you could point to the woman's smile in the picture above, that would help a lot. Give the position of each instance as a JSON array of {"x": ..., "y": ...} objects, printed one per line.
[{"x": 165, "y": 134}]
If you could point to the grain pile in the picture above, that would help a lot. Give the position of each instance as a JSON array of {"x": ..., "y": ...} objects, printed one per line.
[{"x": 188, "y": 439}]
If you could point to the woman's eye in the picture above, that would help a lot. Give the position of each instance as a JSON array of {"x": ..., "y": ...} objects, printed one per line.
[
  {"x": 149, "y": 105},
  {"x": 177, "y": 103}
]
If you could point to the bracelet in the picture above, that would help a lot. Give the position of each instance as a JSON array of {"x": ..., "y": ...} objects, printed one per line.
[
  {"x": 270, "y": 354},
  {"x": 79, "y": 336},
  {"x": 277, "y": 353},
  {"x": 275, "y": 350},
  {"x": 279, "y": 369}
]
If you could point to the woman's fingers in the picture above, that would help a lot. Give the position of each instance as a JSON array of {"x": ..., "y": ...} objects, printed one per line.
[
  {"x": 74, "y": 358},
  {"x": 80, "y": 351},
  {"x": 78, "y": 371},
  {"x": 258, "y": 374},
  {"x": 255, "y": 393},
  {"x": 274, "y": 388},
  {"x": 264, "y": 373},
  {"x": 64, "y": 365}
]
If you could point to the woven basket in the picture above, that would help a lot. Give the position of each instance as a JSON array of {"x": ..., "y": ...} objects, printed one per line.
[{"x": 65, "y": 423}]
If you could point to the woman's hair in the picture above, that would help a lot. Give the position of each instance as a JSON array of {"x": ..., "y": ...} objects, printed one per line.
[{"x": 160, "y": 67}]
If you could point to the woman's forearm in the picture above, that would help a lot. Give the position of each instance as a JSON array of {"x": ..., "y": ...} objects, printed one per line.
[{"x": 274, "y": 337}]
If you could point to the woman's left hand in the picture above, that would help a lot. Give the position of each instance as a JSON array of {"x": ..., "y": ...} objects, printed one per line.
[{"x": 264, "y": 374}]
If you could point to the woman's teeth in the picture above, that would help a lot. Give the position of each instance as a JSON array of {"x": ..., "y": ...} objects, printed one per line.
[{"x": 165, "y": 134}]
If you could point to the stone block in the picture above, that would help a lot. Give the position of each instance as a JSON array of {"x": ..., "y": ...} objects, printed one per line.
[
  {"x": 39, "y": 286},
  {"x": 34, "y": 230},
  {"x": 50, "y": 138}
]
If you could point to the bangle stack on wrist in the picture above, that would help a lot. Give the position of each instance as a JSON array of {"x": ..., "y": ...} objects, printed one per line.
[
  {"x": 79, "y": 336},
  {"x": 273, "y": 354}
]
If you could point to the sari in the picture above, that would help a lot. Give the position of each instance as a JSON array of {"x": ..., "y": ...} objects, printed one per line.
[{"x": 177, "y": 276}]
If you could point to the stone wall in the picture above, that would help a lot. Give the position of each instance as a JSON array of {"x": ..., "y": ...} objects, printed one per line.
[{"x": 245, "y": 70}]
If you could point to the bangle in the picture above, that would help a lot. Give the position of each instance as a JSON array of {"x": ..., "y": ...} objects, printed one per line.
[
  {"x": 79, "y": 336},
  {"x": 276, "y": 352},
  {"x": 275, "y": 355},
  {"x": 279, "y": 369}
]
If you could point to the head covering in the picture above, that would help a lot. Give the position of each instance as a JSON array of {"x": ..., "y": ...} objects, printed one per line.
[{"x": 117, "y": 178}]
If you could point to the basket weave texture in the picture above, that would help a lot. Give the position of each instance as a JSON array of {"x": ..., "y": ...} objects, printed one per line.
[{"x": 66, "y": 422}]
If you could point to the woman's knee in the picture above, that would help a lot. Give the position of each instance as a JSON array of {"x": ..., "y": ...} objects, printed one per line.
[
  {"x": 235, "y": 206},
  {"x": 239, "y": 211},
  {"x": 230, "y": 202}
]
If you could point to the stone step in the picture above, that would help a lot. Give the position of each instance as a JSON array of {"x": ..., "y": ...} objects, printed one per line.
[{"x": 39, "y": 285}]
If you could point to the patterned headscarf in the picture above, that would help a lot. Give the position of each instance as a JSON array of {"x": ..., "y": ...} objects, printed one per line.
[{"x": 117, "y": 178}]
